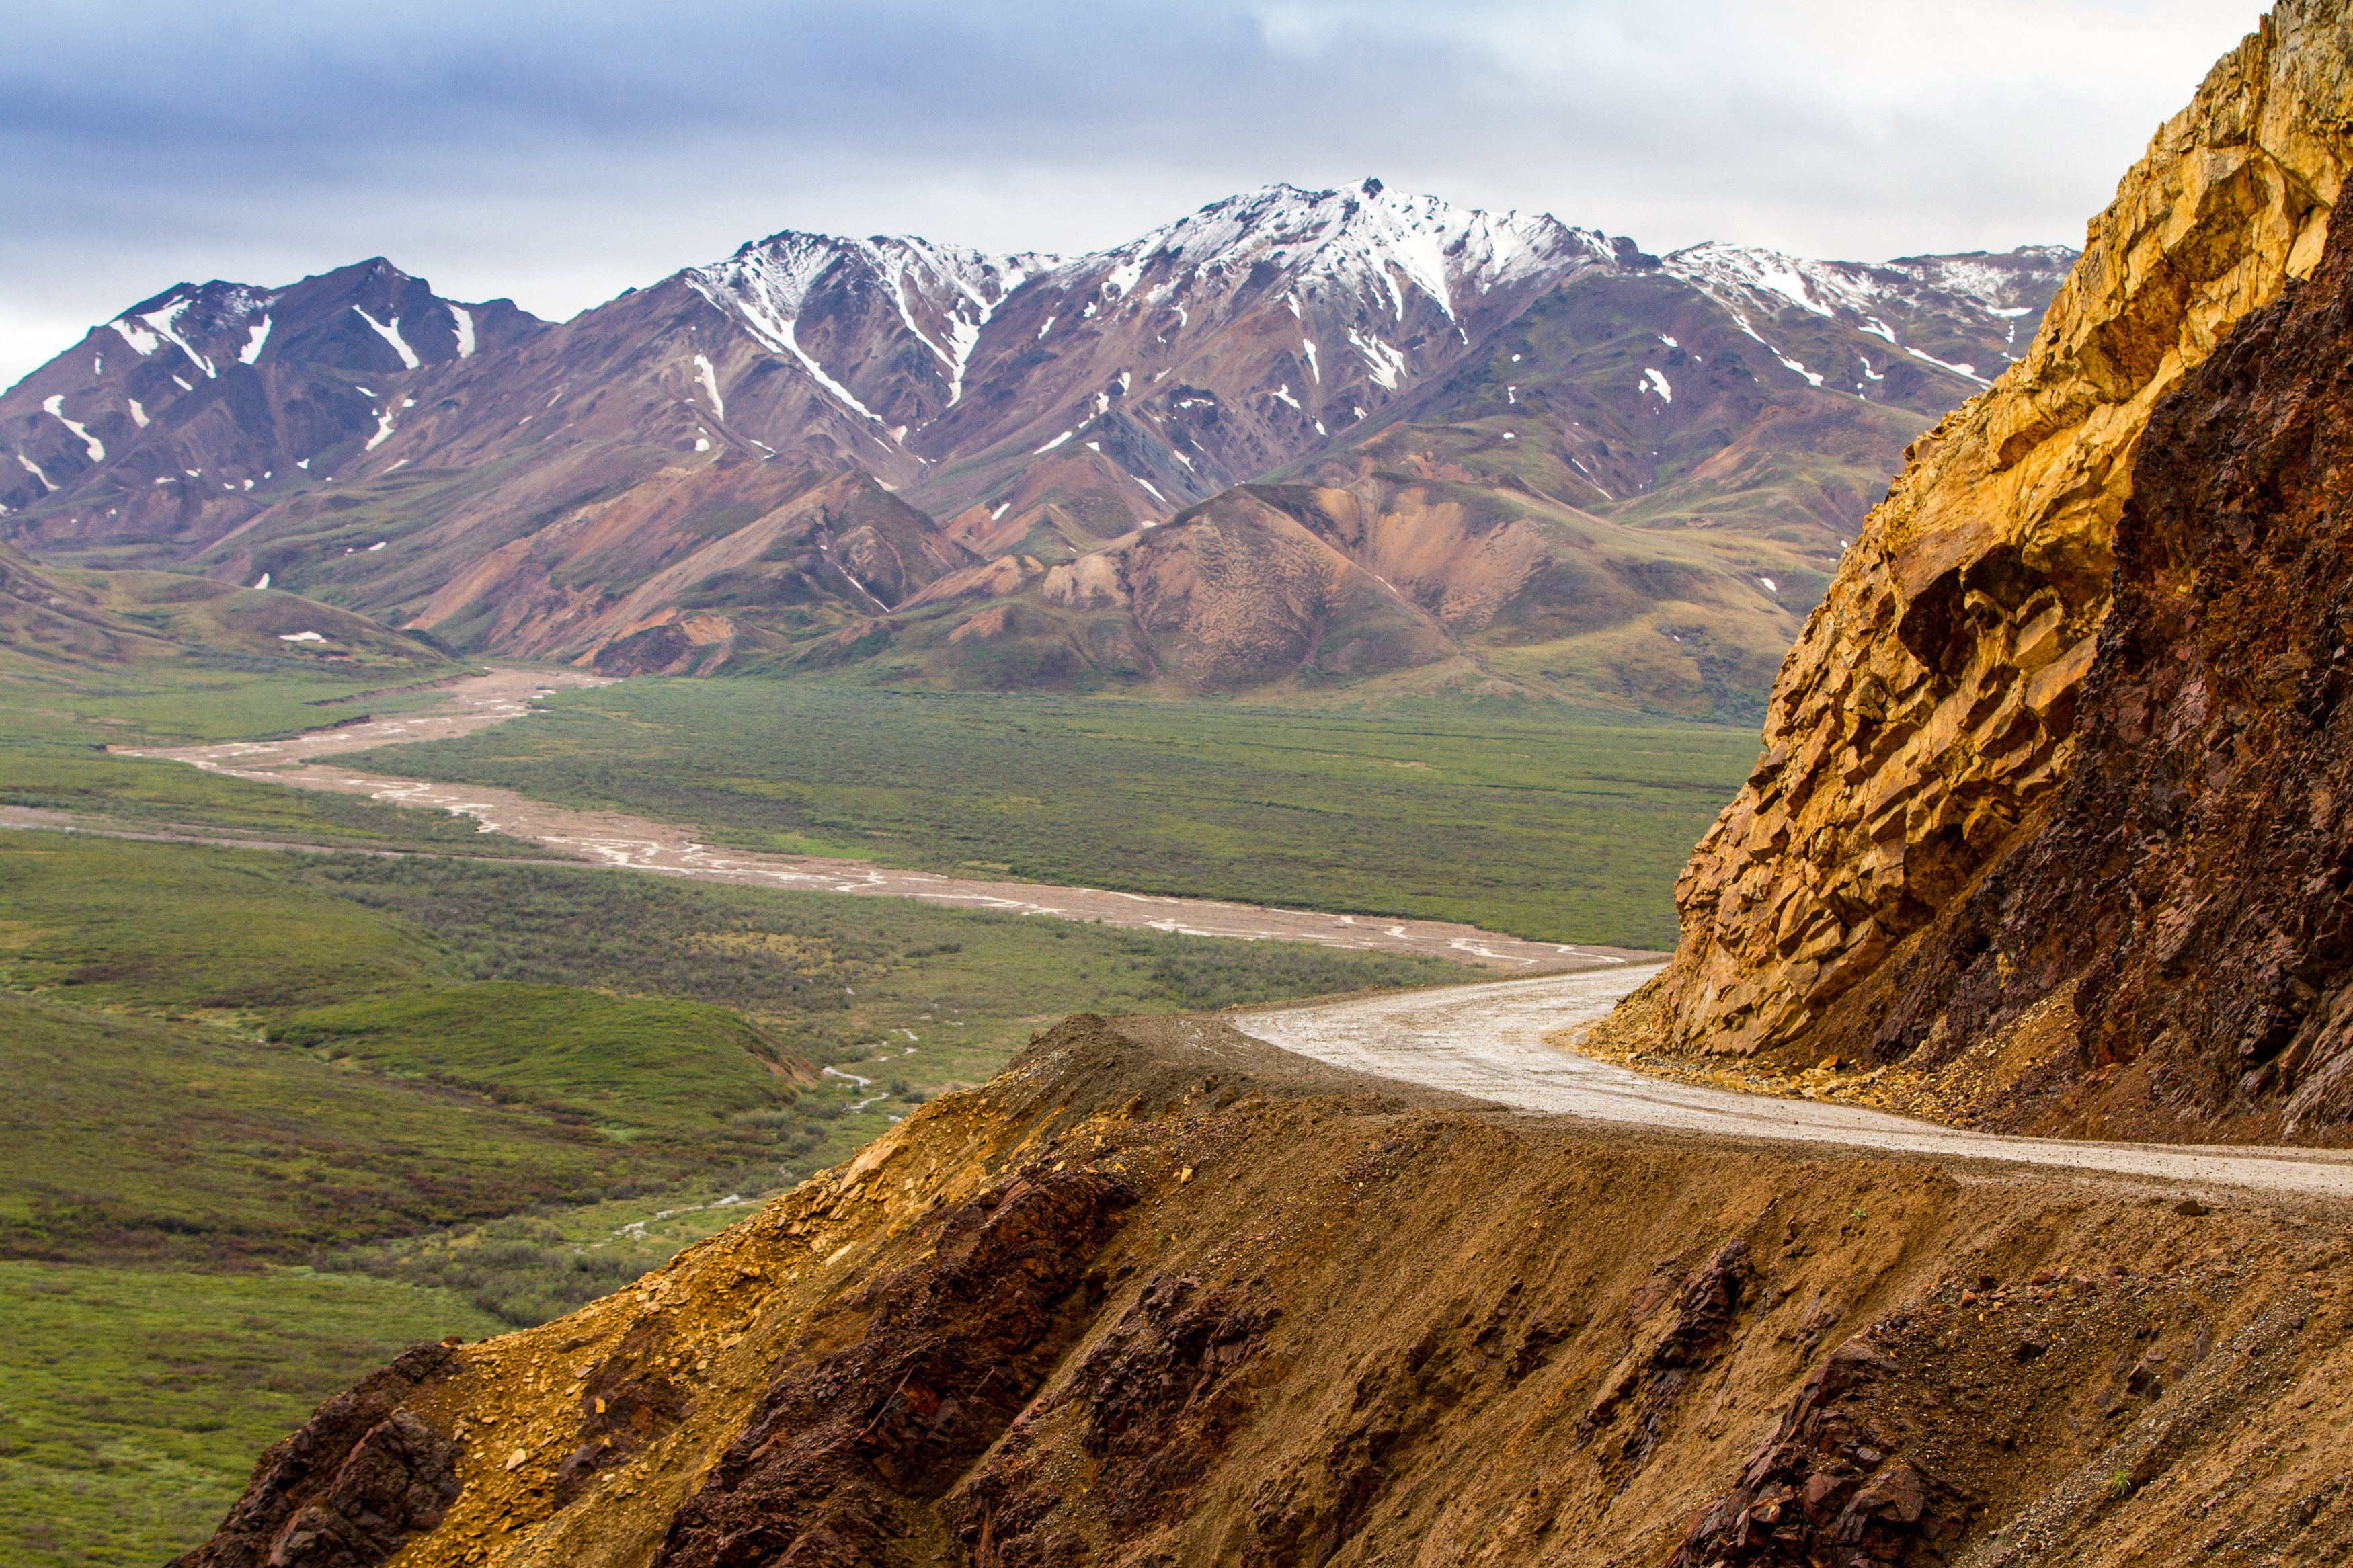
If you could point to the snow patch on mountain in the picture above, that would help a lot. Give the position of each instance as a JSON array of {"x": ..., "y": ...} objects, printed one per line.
[
  {"x": 390, "y": 332},
  {"x": 162, "y": 327},
  {"x": 1383, "y": 362},
  {"x": 711, "y": 384},
  {"x": 1968, "y": 371},
  {"x": 54, "y": 407},
  {"x": 1746, "y": 279},
  {"x": 943, "y": 294}
]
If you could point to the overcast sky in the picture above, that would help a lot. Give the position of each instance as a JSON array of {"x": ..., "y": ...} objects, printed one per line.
[{"x": 558, "y": 153}]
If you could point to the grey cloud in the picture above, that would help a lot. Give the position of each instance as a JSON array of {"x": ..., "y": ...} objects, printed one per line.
[{"x": 559, "y": 152}]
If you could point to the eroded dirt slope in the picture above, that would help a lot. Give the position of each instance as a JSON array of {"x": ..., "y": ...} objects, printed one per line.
[{"x": 1160, "y": 1294}]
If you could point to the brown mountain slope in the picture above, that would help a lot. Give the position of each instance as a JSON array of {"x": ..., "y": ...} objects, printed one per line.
[
  {"x": 1235, "y": 595},
  {"x": 1625, "y": 497},
  {"x": 1929, "y": 709},
  {"x": 1237, "y": 339},
  {"x": 731, "y": 554},
  {"x": 1045, "y": 408},
  {"x": 1414, "y": 578},
  {"x": 1161, "y": 1294},
  {"x": 1642, "y": 398}
]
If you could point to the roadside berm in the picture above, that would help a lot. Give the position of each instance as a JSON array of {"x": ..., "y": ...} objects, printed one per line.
[{"x": 1161, "y": 1294}]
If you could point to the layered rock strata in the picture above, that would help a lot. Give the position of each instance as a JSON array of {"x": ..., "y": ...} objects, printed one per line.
[
  {"x": 1928, "y": 714},
  {"x": 2186, "y": 900}
]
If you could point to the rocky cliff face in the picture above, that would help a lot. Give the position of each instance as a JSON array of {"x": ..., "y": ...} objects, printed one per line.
[
  {"x": 2174, "y": 925},
  {"x": 1160, "y": 1295},
  {"x": 1929, "y": 713}
]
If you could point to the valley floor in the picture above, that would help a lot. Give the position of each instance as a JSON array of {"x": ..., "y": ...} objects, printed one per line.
[{"x": 636, "y": 843}]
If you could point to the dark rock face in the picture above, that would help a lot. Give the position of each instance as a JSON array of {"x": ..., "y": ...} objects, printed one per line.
[
  {"x": 1163, "y": 1394},
  {"x": 950, "y": 1351},
  {"x": 2194, "y": 880},
  {"x": 626, "y": 1400},
  {"x": 1818, "y": 1491},
  {"x": 1668, "y": 1354},
  {"x": 350, "y": 1486}
]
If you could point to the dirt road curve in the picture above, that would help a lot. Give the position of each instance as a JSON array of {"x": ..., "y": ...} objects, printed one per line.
[
  {"x": 1488, "y": 1040},
  {"x": 615, "y": 839}
]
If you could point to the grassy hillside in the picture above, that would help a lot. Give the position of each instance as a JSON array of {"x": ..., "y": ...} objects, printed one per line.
[
  {"x": 1518, "y": 820},
  {"x": 133, "y": 1140},
  {"x": 158, "y": 657},
  {"x": 137, "y": 1400},
  {"x": 232, "y": 1053}
]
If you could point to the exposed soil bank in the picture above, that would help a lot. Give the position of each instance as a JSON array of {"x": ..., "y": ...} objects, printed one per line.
[{"x": 1162, "y": 1294}]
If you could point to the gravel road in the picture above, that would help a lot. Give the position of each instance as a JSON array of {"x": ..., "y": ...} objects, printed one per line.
[{"x": 1488, "y": 1040}]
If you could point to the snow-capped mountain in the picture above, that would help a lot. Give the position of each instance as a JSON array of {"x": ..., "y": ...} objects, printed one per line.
[
  {"x": 1230, "y": 342},
  {"x": 206, "y": 393},
  {"x": 748, "y": 457},
  {"x": 859, "y": 302},
  {"x": 1959, "y": 313}
]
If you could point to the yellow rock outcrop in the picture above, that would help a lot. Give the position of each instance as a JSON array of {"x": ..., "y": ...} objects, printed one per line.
[{"x": 1929, "y": 706}]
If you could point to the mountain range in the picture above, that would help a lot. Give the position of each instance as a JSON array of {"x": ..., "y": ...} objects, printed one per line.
[{"x": 1297, "y": 440}]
